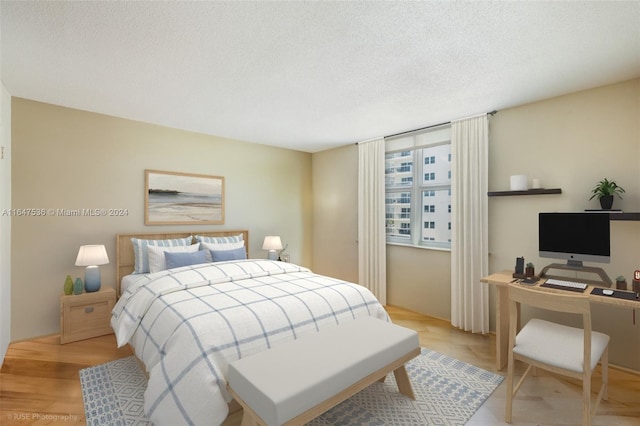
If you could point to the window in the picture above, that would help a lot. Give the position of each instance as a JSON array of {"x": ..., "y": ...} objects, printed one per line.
[{"x": 418, "y": 189}]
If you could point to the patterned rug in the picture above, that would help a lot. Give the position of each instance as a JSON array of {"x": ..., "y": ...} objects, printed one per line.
[{"x": 448, "y": 392}]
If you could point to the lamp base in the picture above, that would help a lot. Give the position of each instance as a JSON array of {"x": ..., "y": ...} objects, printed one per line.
[
  {"x": 92, "y": 279},
  {"x": 273, "y": 255}
]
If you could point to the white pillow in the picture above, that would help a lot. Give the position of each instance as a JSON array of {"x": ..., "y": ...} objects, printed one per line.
[
  {"x": 219, "y": 240},
  {"x": 157, "y": 261},
  {"x": 222, "y": 246},
  {"x": 141, "y": 254}
]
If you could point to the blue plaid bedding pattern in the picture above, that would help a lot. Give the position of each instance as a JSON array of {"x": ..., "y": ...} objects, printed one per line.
[{"x": 189, "y": 323}]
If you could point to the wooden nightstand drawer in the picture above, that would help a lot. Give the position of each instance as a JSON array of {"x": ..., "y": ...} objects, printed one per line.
[{"x": 86, "y": 315}]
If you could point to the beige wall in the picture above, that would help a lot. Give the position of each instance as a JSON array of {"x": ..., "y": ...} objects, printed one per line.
[
  {"x": 569, "y": 142},
  {"x": 5, "y": 222},
  {"x": 420, "y": 280},
  {"x": 335, "y": 212},
  {"x": 69, "y": 159}
]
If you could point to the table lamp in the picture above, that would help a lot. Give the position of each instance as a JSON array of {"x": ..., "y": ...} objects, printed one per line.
[
  {"x": 91, "y": 256},
  {"x": 273, "y": 244}
]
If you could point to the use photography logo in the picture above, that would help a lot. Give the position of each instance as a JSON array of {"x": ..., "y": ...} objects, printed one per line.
[{"x": 44, "y": 417}]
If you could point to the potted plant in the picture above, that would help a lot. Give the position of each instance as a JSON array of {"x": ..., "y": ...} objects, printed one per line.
[
  {"x": 605, "y": 190},
  {"x": 621, "y": 283},
  {"x": 529, "y": 270}
]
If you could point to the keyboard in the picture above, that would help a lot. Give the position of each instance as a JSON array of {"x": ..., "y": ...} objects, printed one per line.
[{"x": 564, "y": 285}]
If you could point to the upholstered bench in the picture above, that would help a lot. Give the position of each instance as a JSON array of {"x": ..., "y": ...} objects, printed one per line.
[{"x": 297, "y": 381}]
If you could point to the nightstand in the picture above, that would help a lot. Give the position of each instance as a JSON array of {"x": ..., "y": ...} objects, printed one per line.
[{"x": 86, "y": 315}]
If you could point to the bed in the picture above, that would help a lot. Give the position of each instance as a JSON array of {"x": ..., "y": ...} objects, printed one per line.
[{"x": 186, "y": 324}]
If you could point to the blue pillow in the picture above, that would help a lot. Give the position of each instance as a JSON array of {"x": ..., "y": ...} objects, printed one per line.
[
  {"x": 234, "y": 254},
  {"x": 175, "y": 260}
]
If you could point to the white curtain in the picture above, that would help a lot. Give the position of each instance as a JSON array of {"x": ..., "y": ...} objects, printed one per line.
[
  {"x": 372, "y": 262},
  {"x": 469, "y": 241}
]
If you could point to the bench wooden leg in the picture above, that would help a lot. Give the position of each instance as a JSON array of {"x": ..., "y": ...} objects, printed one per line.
[
  {"x": 404, "y": 384},
  {"x": 248, "y": 420}
]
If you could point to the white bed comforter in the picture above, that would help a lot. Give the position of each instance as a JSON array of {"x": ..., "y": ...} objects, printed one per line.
[{"x": 187, "y": 324}]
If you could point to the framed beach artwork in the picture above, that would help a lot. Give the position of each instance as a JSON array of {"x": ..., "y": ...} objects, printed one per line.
[{"x": 172, "y": 198}]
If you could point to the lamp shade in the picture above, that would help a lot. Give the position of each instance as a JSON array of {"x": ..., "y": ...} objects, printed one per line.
[
  {"x": 92, "y": 255},
  {"x": 272, "y": 243}
]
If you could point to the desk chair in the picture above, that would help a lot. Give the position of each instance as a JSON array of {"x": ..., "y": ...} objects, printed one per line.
[{"x": 569, "y": 351}]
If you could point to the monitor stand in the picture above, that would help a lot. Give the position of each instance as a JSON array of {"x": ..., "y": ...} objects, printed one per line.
[{"x": 575, "y": 266}]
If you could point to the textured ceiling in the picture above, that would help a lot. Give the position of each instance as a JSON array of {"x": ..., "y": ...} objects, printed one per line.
[{"x": 311, "y": 75}]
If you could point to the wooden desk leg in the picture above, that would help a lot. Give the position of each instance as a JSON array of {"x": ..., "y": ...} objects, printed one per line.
[{"x": 502, "y": 326}]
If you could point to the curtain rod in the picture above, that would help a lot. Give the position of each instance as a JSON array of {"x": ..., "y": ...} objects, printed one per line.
[
  {"x": 417, "y": 130},
  {"x": 494, "y": 112}
]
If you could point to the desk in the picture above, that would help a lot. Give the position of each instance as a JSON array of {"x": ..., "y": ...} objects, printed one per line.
[{"x": 502, "y": 280}]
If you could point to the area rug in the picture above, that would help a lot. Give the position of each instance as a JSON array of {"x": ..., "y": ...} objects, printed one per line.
[{"x": 448, "y": 392}]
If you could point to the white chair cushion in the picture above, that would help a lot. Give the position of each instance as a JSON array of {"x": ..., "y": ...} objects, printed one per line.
[{"x": 558, "y": 345}]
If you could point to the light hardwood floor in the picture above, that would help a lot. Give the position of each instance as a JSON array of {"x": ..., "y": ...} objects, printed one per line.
[{"x": 39, "y": 382}]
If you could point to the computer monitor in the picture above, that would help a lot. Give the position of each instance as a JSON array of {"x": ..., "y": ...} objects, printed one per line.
[{"x": 575, "y": 237}]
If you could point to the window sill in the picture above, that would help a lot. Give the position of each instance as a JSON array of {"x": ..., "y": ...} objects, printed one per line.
[{"x": 419, "y": 247}]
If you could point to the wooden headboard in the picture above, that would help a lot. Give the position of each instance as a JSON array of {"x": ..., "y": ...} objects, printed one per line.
[{"x": 125, "y": 258}]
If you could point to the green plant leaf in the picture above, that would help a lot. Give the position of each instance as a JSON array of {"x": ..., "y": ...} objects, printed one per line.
[{"x": 606, "y": 187}]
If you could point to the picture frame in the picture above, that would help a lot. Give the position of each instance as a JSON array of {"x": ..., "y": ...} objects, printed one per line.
[{"x": 174, "y": 198}]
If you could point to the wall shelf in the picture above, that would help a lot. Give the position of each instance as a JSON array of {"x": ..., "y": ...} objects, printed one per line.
[
  {"x": 612, "y": 215},
  {"x": 624, "y": 216},
  {"x": 540, "y": 191},
  {"x": 618, "y": 214}
]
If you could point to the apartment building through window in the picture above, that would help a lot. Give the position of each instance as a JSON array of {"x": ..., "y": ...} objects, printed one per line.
[{"x": 418, "y": 189}]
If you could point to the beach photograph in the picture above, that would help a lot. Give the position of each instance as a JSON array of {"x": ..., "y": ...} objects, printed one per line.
[{"x": 183, "y": 198}]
